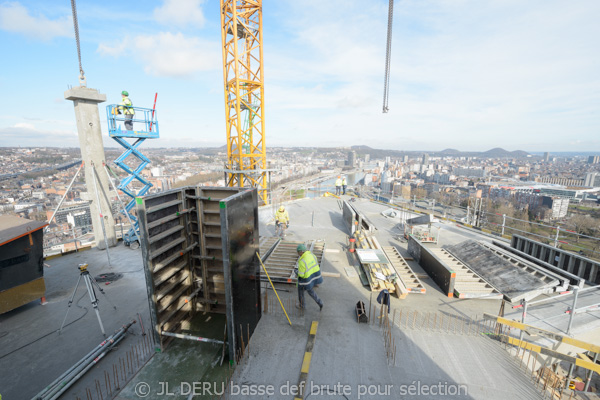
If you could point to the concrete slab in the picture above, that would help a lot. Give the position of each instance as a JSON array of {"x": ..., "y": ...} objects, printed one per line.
[
  {"x": 32, "y": 354},
  {"x": 347, "y": 353},
  {"x": 344, "y": 351}
]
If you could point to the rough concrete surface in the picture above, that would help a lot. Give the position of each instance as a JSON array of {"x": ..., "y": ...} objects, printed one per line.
[
  {"x": 344, "y": 351},
  {"x": 33, "y": 354},
  {"x": 347, "y": 353}
]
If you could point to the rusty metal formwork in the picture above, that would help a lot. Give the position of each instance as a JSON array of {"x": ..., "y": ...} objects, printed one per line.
[
  {"x": 184, "y": 234},
  {"x": 281, "y": 262}
]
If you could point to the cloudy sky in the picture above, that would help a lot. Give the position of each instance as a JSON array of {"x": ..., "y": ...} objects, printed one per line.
[{"x": 466, "y": 74}]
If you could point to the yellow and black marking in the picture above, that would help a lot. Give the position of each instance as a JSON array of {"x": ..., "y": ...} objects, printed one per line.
[
  {"x": 550, "y": 335},
  {"x": 587, "y": 364},
  {"x": 306, "y": 361}
]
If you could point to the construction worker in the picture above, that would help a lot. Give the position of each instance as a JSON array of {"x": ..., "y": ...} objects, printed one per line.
[
  {"x": 344, "y": 184},
  {"x": 309, "y": 276},
  {"x": 282, "y": 219},
  {"x": 338, "y": 186},
  {"x": 126, "y": 108}
]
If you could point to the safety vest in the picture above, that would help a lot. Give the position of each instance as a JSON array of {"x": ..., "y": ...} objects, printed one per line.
[
  {"x": 282, "y": 216},
  {"x": 344, "y": 182},
  {"x": 338, "y": 182},
  {"x": 126, "y": 106},
  {"x": 307, "y": 265}
]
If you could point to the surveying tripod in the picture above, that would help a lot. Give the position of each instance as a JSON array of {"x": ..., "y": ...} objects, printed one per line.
[{"x": 90, "y": 282}]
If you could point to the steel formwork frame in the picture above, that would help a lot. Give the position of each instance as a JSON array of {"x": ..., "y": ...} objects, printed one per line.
[
  {"x": 198, "y": 247},
  {"x": 241, "y": 33}
]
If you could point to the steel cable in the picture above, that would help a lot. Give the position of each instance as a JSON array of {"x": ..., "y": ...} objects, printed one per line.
[
  {"x": 388, "y": 56},
  {"x": 76, "y": 26}
]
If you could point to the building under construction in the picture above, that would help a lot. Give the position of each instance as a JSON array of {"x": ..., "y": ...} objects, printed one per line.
[{"x": 207, "y": 306}]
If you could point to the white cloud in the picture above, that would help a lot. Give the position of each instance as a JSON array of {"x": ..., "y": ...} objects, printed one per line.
[
  {"x": 180, "y": 13},
  {"x": 169, "y": 54},
  {"x": 24, "y": 134},
  {"x": 14, "y": 17},
  {"x": 113, "y": 51},
  {"x": 24, "y": 126},
  {"x": 464, "y": 74}
]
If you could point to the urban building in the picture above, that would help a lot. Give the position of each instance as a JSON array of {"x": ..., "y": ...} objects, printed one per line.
[
  {"x": 558, "y": 206},
  {"x": 592, "y": 179},
  {"x": 352, "y": 159},
  {"x": 560, "y": 181},
  {"x": 593, "y": 159},
  {"x": 470, "y": 172}
]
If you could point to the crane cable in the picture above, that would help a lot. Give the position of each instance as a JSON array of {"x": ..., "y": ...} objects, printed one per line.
[
  {"x": 388, "y": 56},
  {"x": 76, "y": 26}
]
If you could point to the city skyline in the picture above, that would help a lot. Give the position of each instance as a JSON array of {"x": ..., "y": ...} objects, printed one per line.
[{"x": 465, "y": 75}]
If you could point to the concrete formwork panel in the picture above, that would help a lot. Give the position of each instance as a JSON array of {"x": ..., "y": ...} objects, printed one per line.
[
  {"x": 281, "y": 262},
  {"x": 573, "y": 263},
  {"x": 514, "y": 278},
  {"x": 184, "y": 239},
  {"x": 21, "y": 262},
  {"x": 241, "y": 267},
  {"x": 443, "y": 276}
]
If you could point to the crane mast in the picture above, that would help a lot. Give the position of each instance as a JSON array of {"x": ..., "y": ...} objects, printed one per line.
[{"x": 241, "y": 33}]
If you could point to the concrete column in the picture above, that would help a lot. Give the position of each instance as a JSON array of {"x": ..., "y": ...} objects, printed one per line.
[
  {"x": 86, "y": 102},
  {"x": 593, "y": 273},
  {"x": 571, "y": 264}
]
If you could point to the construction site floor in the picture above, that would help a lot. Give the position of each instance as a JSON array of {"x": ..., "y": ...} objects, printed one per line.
[
  {"x": 348, "y": 353},
  {"x": 33, "y": 354},
  {"x": 437, "y": 354}
]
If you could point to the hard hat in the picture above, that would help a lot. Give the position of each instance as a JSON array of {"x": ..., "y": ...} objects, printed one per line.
[
  {"x": 339, "y": 176},
  {"x": 125, "y": 92},
  {"x": 282, "y": 208},
  {"x": 301, "y": 247}
]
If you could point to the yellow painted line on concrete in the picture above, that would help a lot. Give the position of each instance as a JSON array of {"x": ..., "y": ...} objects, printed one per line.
[
  {"x": 312, "y": 335},
  {"x": 485, "y": 230},
  {"x": 313, "y": 328},
  {"x": 306, "y": 363},
  {"x": 551, "y": 335}
]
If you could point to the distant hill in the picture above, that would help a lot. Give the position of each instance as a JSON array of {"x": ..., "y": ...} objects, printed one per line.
[
  {"x": 493, "y": 153},
  {"x": 450, "y": 151}
]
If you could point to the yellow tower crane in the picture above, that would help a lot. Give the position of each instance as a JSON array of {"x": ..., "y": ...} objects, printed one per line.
[{"x": 241, "y": 33}]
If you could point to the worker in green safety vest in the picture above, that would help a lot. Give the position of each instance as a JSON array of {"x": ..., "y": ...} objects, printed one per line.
[
  {"x": 126, "y": 108},
  {"x": 309, "y": 276}
]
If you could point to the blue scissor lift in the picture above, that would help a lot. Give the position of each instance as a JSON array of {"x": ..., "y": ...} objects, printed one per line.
[{"x": 145, "y": 126}]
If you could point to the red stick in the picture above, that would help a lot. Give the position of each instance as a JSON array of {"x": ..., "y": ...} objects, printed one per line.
[{"x": 153, "y": 108}]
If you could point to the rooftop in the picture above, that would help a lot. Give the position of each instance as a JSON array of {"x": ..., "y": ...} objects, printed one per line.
[{"x": 438, "y": 341}]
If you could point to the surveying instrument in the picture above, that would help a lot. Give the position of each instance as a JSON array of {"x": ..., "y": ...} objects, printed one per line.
[{"x": 90, "y": 282}]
